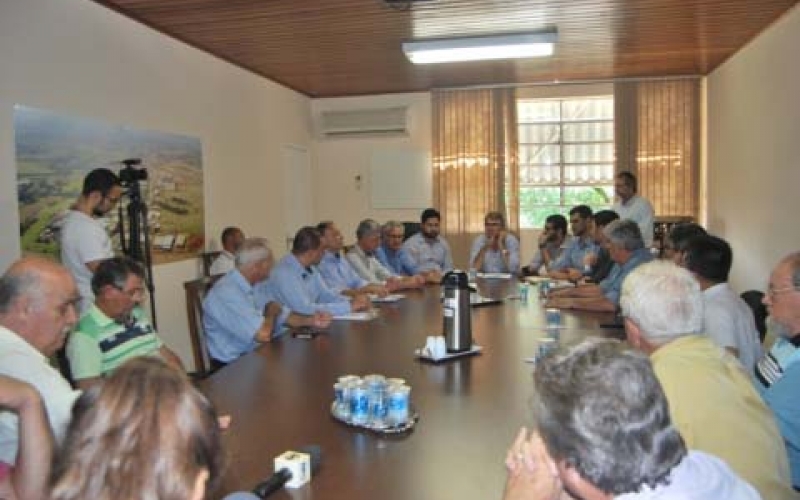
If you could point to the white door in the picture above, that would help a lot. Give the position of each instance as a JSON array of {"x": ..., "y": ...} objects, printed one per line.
[{"x": 298, "y": 191}]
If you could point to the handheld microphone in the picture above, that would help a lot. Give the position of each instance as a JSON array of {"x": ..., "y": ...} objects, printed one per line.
[{"x": 277, "y": 480}]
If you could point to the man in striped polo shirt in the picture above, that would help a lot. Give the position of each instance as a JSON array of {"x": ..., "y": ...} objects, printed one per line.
[{"x": 115, "y": 328}]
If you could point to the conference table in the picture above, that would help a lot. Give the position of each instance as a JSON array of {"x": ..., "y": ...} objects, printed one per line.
[{"x": 470, "y": 408}]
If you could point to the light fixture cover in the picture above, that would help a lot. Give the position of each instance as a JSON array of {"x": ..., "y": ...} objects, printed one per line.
[{"x": 509, "y": 46}]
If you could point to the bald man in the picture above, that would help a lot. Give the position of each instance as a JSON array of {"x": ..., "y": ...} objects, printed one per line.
[{"x": 38, "y": 308}]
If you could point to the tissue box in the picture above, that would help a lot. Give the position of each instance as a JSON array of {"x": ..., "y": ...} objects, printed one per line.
[{"x": 298, "y": 464}]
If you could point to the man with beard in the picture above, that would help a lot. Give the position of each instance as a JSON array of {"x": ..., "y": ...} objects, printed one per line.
[
  {"x": 778, "y": 372},
  {"x": 429, "y": 251},
  {"x": 84, "y": 240},
  {"x": 38, "y": 300}
]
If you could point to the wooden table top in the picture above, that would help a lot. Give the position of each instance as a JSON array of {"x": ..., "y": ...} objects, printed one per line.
[{"x": 470, "y": 408}]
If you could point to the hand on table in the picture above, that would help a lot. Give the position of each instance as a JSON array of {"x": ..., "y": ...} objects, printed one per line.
[
  {"x": 321, "y": 320},
  {"x": 360, "y": 303}
]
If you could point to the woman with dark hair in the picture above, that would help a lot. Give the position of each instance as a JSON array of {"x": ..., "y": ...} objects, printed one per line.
[{"x": 143, "y": 433}]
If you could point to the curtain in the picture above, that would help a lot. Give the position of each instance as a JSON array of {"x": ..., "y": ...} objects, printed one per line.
[
  {"x": 657, "y": 138},
  {"x": 475, "y": 167}
]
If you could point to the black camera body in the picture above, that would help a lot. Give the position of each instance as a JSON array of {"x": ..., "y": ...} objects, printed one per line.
[{"x": 129, "y": 175}]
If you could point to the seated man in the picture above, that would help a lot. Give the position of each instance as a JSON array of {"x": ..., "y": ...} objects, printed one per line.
[
  {"x": 603, "y": 431},
  {"x": 677, "y": 238},
  {"x": 362, "y": 259},
  {"x": 428, "y": 250},
  {"x": 553, "y": 240},
  {"x": 496, "y": 250},
  {"x": 240, "y": 312},
  {"x": 231, "y": 238},
  {"x": 571, "y": 264},
  {"x": 778, "y": 373},
  {"x": 115, "y": 328},
  {"x": 297, "y": 283},
  {"x": 336, "y": 271},
  {"x": 712, "y": 401},
  {"x": 626, "y": 247},
  {"x": 38, "y": 308},
  {"x": 727, "y": 319},
  {"x": 600, "y": 262},
  {"x": 396, "y": 258}
]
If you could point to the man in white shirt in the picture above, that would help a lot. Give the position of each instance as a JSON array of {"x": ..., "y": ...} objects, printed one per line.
[
  {"x": 727, "y": 319},
  {"x": 84, "y": 239},
  {"x": 38, "y": 300},
  {"x": 231, "y": 239},
  {"x": 632, "y": 206}
]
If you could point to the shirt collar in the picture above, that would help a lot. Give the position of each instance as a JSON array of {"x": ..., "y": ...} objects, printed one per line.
[{"x": 21, "y": 343}]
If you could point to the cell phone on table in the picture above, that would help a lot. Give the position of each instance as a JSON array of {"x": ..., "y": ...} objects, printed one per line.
[{"x": 305, "y": 332}]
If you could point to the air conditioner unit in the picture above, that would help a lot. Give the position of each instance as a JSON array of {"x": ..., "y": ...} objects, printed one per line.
[{"x": 363, "y": 122}]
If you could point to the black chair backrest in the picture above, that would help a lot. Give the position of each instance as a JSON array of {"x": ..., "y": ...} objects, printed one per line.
[
  {"x": 754, "y": 299},
  {"x": 410, "y": 229}
]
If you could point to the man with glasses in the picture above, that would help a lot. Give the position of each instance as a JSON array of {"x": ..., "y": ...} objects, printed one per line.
[
  {"x": 115, "y": 328},
  {"x": 778, "y": 372},
  {"x": 496, "y": 250},
  {"x": 84, "y": 239}
]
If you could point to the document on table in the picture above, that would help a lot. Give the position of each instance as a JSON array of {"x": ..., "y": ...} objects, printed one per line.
[
  {"x": 358, "y": 316},
  {"x": 394, "y": 297},
  {"x": 502, "y": 276}
]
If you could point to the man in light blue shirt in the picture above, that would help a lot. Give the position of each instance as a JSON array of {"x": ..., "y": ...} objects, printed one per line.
[
  {"x": 572, "y": 264},
  {"x": 429, "y": 251},
  {"x": 298, "y": 284},
  {"x": 626, "y": 246},
  {"x": 497, "y": 250},
  {"x": 337, "y": 272},
  {"x": 391, "y": 252},
  {"x": 240, "y": 312}
]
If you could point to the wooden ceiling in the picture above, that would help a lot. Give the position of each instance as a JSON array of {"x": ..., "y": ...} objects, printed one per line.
[{"x": 326, "y": 48}]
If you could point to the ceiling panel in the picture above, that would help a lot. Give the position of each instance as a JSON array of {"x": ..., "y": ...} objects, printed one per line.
[{"x": 326, "y": 48}]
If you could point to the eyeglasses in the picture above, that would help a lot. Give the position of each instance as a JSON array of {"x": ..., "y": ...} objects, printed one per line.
[
  {"x": 772, "y": 292},
  {"x": 492, "y": 224}
]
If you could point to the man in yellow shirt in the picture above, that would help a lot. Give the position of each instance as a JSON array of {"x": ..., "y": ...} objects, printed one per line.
[{"x": 712, "y": 400}]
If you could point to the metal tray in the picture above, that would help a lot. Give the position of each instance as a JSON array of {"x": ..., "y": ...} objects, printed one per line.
[{"x": 413, "y": 418}]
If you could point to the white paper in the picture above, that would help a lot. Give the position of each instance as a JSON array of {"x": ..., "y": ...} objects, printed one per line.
[
  {"x": 358, "y": 316},
  {"x": 393, "y": 297}
]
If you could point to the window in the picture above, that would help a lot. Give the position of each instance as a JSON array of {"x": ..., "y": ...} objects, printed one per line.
[{"x": 566, "y": 156}]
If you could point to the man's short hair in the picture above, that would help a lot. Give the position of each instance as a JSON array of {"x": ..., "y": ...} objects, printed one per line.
[
  {"x": 99, "y": 179},
  {"x": 629, "y": 179},
  {"x": 367, "y": 227},
  {"x": 228, "y": 233},
  {"x": 252, "y": 250},
  {"x": 583, "y": 210},
  {"x": 429, "y": 213},
  {"x": 324, "y": 226},
  {"x": 793, "y": 261},
  {"x": 600, "y": 408},
  {"x": 683, "y": 232},
  {"x": 14, "y": 284},
  {"x": 393, "y": 224},
  {"x": 624, "y": 234},
  {"x": 495, "y": 215},
  {"x": 708, "y": 257},
  {"x": 558, "y": 221},
  {"x": 306, "y": 239},
  {"x": 115, "y": 272},
  {"x": 663, "y": 300},
  {"x": 603, "y": 218}
]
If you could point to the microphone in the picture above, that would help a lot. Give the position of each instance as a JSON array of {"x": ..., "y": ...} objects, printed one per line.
[{"x": 277, "y": 480}]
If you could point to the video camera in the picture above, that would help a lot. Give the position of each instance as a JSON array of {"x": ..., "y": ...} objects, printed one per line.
[{"x": 129, "y": 175}]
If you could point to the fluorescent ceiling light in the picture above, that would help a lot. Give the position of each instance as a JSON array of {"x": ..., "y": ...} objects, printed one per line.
[{"x": 513, "y": 46}]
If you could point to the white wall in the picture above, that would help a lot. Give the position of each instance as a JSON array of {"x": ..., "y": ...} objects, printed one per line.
[
  {"x": 78, "y": 58},
  {"x": 339, "y": 196},
  {"x": 754, "y": 152}
]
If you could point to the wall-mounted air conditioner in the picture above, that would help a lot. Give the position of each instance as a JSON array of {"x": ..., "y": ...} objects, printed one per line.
[{"x": 363, "y": 122}]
